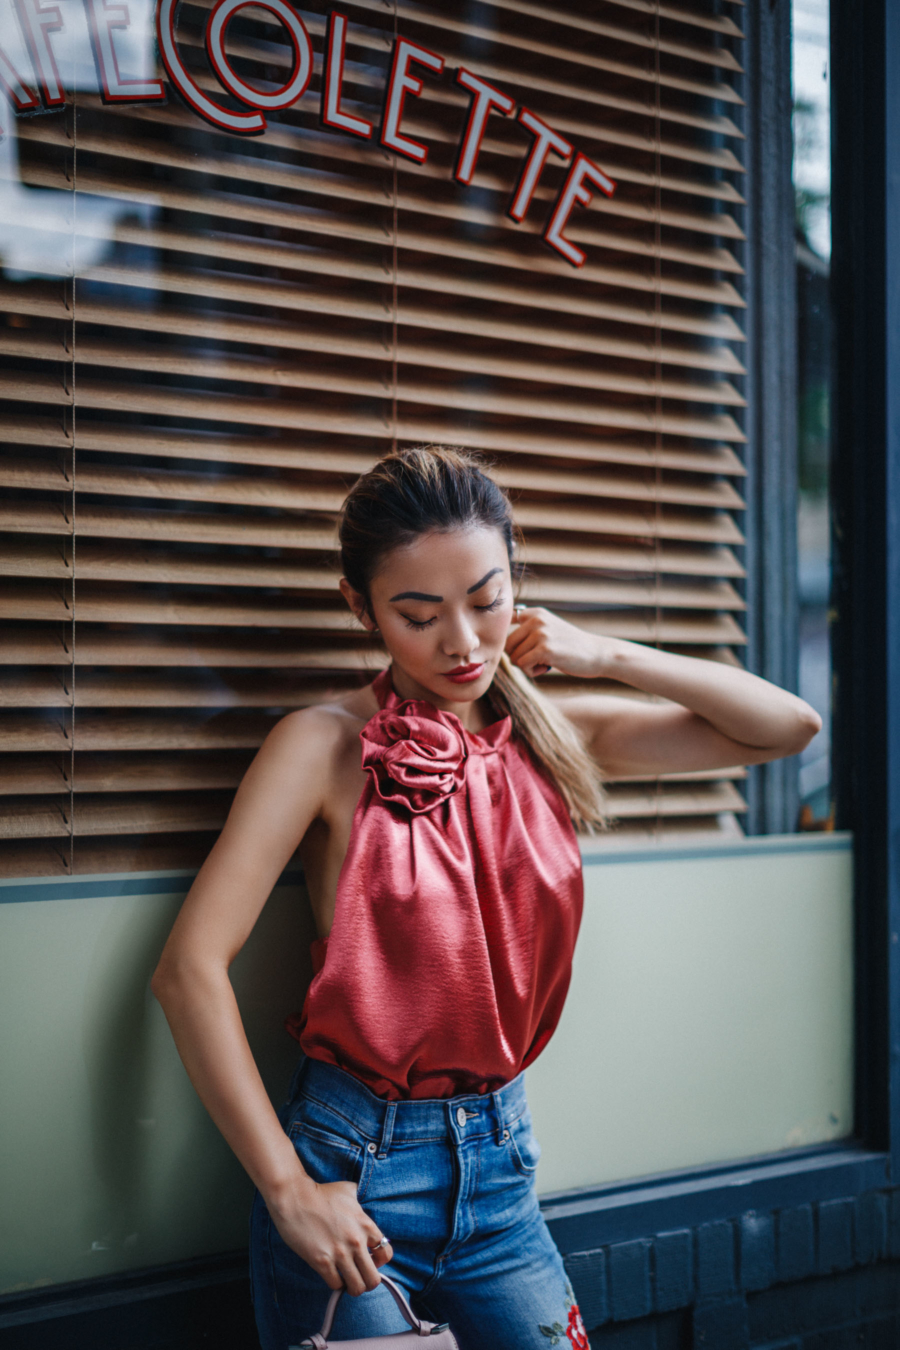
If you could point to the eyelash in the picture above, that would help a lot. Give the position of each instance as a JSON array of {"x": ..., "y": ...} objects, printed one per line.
[{"x": 485, "y": 609}]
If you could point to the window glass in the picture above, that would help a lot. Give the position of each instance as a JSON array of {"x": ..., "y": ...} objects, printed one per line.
[
  {"x": 812, "y": 194},
  {"x": 208, "y": 334}
]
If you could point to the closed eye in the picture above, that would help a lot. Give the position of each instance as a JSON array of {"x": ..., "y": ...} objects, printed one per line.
[
  {"x": 414, "y": 623},
  {"x": 495, "y": 604}
]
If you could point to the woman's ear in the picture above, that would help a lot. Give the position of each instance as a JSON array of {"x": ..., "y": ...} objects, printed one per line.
[{"x": 357, "y": 603}]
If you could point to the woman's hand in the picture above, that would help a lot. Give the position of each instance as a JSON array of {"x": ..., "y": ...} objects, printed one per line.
[
  {"x": 541, "y": 640},
  {"x": 326, "y": 1225}
]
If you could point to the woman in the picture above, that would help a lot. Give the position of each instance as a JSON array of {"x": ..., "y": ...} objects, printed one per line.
[{"x": 444, "y": 874}]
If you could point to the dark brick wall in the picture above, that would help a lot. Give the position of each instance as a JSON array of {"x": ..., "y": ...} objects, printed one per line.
[{"x": 816, "y": 1277}]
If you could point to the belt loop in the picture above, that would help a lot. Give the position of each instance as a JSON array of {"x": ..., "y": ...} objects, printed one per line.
[
  {"x": 387, "y": 1129},
  {"x": 498, "y": 1112},
  {"x": 296, "y": 1077}
]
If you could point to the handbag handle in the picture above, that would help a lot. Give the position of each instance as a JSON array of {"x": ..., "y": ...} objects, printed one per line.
[{"x": 423, "y": 1328}]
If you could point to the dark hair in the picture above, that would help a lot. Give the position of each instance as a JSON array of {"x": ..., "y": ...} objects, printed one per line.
[
  {"x": 435, "y": 488},
  {"x": 411, "y": 493}
]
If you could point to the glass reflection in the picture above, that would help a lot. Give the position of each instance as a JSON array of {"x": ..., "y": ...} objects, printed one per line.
[{"x": 812, "y": 195}]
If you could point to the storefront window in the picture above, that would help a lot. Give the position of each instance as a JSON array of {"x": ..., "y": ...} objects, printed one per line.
[{"x": 221, "y": 305}]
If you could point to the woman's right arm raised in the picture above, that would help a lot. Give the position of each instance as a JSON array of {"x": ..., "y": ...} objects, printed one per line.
[{"x": 283, "y": 791}]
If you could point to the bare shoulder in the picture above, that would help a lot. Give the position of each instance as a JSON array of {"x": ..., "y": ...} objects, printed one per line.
[{"x": 319, "y": 737}]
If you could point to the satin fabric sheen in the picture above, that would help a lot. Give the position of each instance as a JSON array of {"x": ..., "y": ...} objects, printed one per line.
[{"x": 458, "y": 906}]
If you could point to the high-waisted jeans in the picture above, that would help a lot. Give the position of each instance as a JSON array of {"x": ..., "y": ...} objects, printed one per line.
[{"x": 451, "y": 1183}]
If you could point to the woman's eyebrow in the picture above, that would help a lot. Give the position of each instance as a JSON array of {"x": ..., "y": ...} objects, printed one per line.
[
  {"x": 437, "y": 599},
  {"x": 484, "y": 580}
]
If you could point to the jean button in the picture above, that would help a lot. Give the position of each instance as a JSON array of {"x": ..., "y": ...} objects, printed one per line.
[{"x": 461, "y": 1117}]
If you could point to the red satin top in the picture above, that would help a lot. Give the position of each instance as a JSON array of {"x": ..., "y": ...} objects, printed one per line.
[{"x": 458, "y": 905}]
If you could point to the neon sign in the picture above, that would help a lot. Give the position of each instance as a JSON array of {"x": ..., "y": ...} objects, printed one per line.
[{"x": 410, "y": 65}]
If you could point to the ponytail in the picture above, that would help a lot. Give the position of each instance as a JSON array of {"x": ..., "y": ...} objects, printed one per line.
[{"x": 554, "y": 743}]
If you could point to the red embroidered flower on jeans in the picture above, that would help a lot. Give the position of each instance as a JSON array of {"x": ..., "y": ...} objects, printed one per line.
[
  {"x": 575, "y": 1330},
  {"x": 416, "y": 754}
]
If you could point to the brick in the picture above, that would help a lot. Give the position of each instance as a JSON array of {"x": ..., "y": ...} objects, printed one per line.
[
  {"x": 629, "y": 1336},
  {"x": 870, "y": 1228},
  {"x": 894, "y": 1222},
  {"x": 802, "y": 1308},
  {"x": 834, "y": 1235},
  {"x": 721, "y": 1325},
  {"x": 878, "y": 1290},
  {"x": 795, "y": 1257},
  {"x": 673, "y": 1274},
  {"x": 587, "y": 1271},
  {"x": 715, "y": 1259},
  {"x": 883, "y": 1334},
  {"x": 757, "y": 1251},
  {"x": 837, "y": 1338},
  {"x": 629, "y": 1279}
]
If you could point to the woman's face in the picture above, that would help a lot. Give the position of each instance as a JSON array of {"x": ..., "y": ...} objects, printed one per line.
[{"x": 444, "y": 605}]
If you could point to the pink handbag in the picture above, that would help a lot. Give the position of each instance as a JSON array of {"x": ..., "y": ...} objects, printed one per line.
[{"x": 443, "y": 1338}]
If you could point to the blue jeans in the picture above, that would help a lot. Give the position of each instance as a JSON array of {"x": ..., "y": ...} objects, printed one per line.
[{"x": 451, "y": 1183}]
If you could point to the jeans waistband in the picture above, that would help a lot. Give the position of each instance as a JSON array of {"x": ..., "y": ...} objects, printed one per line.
[{"x": 466, "y": 1116}]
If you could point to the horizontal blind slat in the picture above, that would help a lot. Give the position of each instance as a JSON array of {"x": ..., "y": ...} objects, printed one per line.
[
  {"x": 240, "y": 490},
  {"x": 246, "y": 329},
  {"x": 43, "y": 346},
  {"x": 127, "y": 440}
]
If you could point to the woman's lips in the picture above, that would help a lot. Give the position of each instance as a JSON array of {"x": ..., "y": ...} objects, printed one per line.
[{"x": 465, "y": 674}]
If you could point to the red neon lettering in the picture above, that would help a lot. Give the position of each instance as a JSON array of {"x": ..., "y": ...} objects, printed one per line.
[
  {"x": 573, "y": 190},
  {"x": 399, "y": 85},
  {"x": 103, "y": 18},
  {"x": 247, "y": 124},
  {"x": 545, "y": 140},
  {"x": 333, "y": 81},
  {"x": 38, "y": 22},
  {"x": 484, "y": 98},
  {"x": 301, "y": 72},
  {"x": 20, "y": 94}
]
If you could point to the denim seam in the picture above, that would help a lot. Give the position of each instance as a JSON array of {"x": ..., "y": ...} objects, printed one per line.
[{"x": 365, "y": 1175}]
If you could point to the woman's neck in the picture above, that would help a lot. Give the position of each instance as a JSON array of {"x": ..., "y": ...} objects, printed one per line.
[{"x": 475, "y": 714}]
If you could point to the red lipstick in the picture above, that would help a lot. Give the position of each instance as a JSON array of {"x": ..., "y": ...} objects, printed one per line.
[{"x": 465, "y": 674}]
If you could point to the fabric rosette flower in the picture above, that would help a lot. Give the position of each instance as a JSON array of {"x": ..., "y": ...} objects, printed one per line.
[{"x": 416, "y": 755}]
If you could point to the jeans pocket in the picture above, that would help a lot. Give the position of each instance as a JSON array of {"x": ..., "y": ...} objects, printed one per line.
[
  {"x": 524, "y": 1147},
  {"x": 328, "y": 1156}
]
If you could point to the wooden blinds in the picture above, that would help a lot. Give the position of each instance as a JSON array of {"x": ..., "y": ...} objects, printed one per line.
[{"x": 207, "y": 336}]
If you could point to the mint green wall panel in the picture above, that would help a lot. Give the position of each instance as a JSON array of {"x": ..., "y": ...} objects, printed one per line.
[
  {"x": 710, "y": 1015},
  {"x": 710, "y": 1018},
  {"x": 108, "y": 1160}
]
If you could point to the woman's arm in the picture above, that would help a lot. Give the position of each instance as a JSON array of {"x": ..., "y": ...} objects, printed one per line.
[
  {"x": 714, "y": 715},
  {"x": 282, "y": 792}
]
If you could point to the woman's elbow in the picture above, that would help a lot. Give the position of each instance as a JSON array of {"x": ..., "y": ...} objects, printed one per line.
[
  {"x": 806, "y": 724},
  {"x": 162, "y": 980},
  {"x": 172, "y": 975}
]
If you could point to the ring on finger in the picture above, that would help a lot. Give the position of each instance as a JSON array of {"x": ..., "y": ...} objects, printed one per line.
[{"x": 385, "y": 1242}]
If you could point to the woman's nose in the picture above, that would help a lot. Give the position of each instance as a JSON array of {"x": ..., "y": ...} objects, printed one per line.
[{"x": 460, "y": 638}]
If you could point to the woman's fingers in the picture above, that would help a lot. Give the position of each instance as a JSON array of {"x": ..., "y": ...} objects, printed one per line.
[
  {"x": 531, "y": 652},
  {"x": 368, "y": 1273},
  {"x": 351, "y": 1275},
  {"x": 331, "y": 1275},
  {"x": 383, "y": 1255}
]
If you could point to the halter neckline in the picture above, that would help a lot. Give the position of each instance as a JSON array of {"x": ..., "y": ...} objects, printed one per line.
[{"x": 485, "y": 742}]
